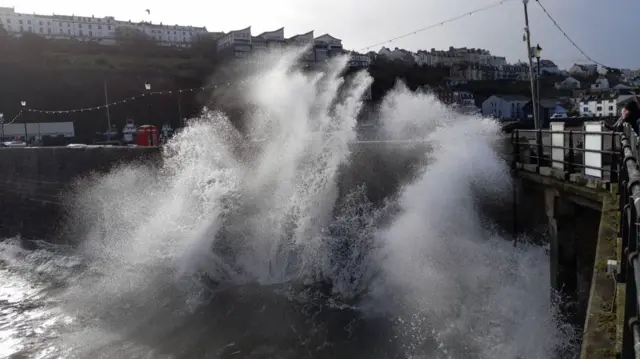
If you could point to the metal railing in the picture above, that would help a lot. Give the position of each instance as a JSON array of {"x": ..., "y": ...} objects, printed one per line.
[
  {"x": 629, "y": 269},
  {"x": 590, "y": 151}
]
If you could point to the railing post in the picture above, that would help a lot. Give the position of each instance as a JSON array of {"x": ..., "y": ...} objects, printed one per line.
[
  {"x": 515, "y": 140},
  {"x": 572, "y": 155},
  {"x": 539, "y": 148},
  {"x": 614, "y": 163}
]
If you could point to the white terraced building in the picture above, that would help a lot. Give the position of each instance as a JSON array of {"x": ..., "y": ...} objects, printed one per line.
[
  {"x": 103, "y": 30},
  {"x": 241, "y": 44}
]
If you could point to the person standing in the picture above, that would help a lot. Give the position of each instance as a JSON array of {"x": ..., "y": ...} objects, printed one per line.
[{"x": 630, "y": 115}]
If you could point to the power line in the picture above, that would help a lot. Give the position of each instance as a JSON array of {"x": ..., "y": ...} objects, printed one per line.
[
  {"x": 569, "y": 38},
  {"x": 441, "y": 23}
]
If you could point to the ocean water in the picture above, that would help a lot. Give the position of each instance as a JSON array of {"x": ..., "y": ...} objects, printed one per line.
[{"x": 220, "y": 254}]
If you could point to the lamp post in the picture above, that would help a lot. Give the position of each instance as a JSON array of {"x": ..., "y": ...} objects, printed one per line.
[
  {"x": 534, "y": 102},
  {"x": 106, "y": 105},
  {"x": 538, "y": 54},
  {"x": 147, "y": 87},
  {"x": 527, "y": 34},
  {"x": 1, "y": 127},
  {"x": 24, "y": 104}
]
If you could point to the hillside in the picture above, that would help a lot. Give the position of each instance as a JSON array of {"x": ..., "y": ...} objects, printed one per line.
[{"x": 62, "y": 75}]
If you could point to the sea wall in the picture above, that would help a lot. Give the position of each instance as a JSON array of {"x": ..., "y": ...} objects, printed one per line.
[{"x": 33, "y": 182}]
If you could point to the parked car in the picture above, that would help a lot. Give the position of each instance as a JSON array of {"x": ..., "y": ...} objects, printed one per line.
[
  {"x": 13, "y": 144},
  {"x": 558, "y": 116}
]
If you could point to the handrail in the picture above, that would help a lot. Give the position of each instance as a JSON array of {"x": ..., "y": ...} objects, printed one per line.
[
  {"x": 629, "y": 192},
  {"x": 565, "y": 156}
]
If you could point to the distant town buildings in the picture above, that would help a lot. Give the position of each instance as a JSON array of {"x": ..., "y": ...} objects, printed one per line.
[
  {"x": 105, "y": 30},
  {"x": 451, "y": 57}
]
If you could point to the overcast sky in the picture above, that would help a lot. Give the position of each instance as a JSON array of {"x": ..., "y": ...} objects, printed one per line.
[{"x": 608, "y": 31}]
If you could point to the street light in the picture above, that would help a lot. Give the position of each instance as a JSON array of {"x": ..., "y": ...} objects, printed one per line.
[
  {"x": 24, "y": 104},
  {"x": 1, "y": 127},
  {"x": 538, "y": 55},
  {"x": 147, "y": 87}
]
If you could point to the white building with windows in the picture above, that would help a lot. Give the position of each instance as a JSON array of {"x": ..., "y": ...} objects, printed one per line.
[
  {"x": 599, "y": 104},
  {"x": 241, "y": 44},
  {"x": 505, "y": 106},
  {"x": 101, "y": 30}
]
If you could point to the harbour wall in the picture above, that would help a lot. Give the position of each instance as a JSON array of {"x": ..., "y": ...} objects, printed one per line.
[{"x": 34, "y": 181}]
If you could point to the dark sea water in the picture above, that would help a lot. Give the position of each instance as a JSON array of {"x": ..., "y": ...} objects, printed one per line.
[{"x": 216, "y": 256}]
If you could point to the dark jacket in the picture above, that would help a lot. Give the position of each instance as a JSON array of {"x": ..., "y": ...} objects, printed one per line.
[{"x": 632, "y": 118}]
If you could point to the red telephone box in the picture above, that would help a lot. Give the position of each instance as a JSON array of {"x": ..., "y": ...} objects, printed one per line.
[{"x": 147, "y": 135}]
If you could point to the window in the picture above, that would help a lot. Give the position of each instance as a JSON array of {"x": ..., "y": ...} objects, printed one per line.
[
  {"x": 28, "y": 22},
  {"x": 21, "y": 29},
  {"x": 610, "y": 108},
  {"x": 20, "y": 22},
  {"x": 586, "y": 109},
  {"x": 109, "y": 28},
  {"x": 90, "y": 33},
  {"x": 599, "y": 108}
]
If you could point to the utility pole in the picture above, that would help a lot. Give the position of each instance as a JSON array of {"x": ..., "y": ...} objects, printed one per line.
[
  {"x": 534, "y": 101},
  {"x": 106, "y": 102}
]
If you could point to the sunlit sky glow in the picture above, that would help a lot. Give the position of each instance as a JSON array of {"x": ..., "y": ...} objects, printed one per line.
[{"x": 606, "y": 30}]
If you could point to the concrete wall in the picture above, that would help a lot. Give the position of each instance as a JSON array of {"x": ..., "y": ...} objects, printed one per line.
[
  {"x": 567, "y": 218},
  {"x": 33, "y": 179}
]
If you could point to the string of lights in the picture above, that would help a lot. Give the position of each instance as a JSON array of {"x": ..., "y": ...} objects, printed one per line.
[
  {"x": 569, "y": 38},
  {"x": 116, "y": 103},
  {"x": 15, "y": 118},
  {"x": 441, "y": 23}
]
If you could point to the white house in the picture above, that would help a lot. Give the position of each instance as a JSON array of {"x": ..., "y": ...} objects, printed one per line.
[
  {"x": 568, "y": 84},
  {"x": 599, "y": 104},
  {"x": 236, "y": 43},
  {"x": 601, "y": 84},
  {"x": 504, "y": 106}
]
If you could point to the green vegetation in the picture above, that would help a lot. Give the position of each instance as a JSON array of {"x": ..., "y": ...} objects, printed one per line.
[{"x": 603, "y": 320}]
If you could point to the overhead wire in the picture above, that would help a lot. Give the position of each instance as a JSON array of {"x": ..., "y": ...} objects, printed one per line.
[
  {"x": 568, "y": 37},
  {"x": 441, "y": 23}
]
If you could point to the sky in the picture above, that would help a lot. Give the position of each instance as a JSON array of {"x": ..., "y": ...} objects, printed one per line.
[{"x": 607, "y": 31}]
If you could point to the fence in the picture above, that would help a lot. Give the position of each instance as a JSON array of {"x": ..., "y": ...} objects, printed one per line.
[
  {"x": 590, "y": 151},
  {"x": 629, "y": 270}
]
